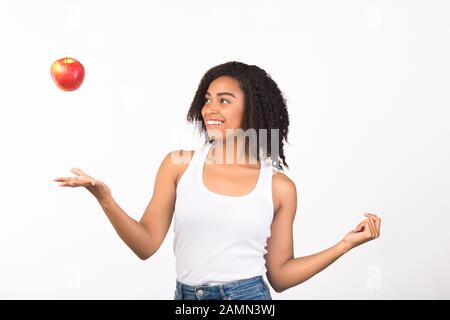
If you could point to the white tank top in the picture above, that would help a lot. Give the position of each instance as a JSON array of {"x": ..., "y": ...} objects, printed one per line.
[{"x": 220, "y": 238}]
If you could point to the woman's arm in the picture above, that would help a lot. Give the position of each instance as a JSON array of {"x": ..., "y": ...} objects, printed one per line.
[
  {"x": 143, "y": 237},
  {"x": 283, "y": 270},
  {"x": 135, "y": 235}
]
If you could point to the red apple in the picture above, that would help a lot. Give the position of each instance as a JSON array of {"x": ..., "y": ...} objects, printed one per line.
[{"x": 67, "y": 73}]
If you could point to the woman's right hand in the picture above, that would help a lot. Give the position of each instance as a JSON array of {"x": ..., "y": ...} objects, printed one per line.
[{"x": 98, "y": 188}]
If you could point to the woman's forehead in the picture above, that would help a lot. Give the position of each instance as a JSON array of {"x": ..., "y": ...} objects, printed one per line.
[{"x": 224, "y": 84}]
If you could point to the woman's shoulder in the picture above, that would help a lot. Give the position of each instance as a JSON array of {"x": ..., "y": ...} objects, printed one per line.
[
  {"x": 180, "y": 159},
  {"x": 183, "y": 157},
  {"x": 282, "y": 184},
  {"x": 281, "y": 180},
  {"x": 183, "y": 153},
  {"x": 283, "y": 189}
]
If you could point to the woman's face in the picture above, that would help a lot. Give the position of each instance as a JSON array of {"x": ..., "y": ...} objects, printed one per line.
[{"x": 224, "y": 101}]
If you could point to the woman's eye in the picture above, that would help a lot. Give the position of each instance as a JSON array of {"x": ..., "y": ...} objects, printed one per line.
[{"x": 206, "y": 100}]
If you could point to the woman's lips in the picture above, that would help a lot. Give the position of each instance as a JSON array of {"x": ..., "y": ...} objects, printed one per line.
[
  {"x": 213, "y": 125},
  {"x": 208, "y": 123}
]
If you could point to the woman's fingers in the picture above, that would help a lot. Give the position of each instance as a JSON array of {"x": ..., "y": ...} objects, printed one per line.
[
  {"x": 60, "y": 179},
  {"x": 81, "y": 179},
  {"x": 361, "y": 226},
  {"x": 368, "y": 229},
  {"x": 376, "y": 222},
  {"x": 378, "y": 225},
  {"x": 74, "y": 181},
  {"x": 70, "y": 182},
  {"x": 372, "y": 228},
  {"x": 370, "y": 225}
]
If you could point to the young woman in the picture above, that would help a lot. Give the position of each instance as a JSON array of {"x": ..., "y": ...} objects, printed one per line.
[{"x": 233, "y": 208}]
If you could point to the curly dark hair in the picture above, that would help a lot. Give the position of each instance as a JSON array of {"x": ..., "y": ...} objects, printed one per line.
[{"x": 264, "y": 106}]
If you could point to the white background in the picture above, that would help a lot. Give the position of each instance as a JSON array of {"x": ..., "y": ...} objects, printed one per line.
[{"x": 367, "y": 87}]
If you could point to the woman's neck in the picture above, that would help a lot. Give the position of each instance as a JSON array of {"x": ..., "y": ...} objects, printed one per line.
[{"x": 231, "y": 153}]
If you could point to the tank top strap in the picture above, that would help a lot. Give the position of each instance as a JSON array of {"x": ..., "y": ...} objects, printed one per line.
[{"x": 200, "y": 156}]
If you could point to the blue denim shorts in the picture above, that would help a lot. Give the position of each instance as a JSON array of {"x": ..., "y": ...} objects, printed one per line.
[{"x": 254, "y": 288}]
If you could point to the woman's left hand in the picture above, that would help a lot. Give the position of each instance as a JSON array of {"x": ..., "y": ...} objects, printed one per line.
[{"x": 367, "y": 230}]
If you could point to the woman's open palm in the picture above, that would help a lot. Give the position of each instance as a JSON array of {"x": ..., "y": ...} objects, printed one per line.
[{"x": 98, "y": 188}]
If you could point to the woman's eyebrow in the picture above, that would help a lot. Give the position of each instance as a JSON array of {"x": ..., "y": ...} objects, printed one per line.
[{"x": 222, "y": 93}]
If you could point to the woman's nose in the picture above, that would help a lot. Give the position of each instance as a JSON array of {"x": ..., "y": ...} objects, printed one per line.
[{"x": 210, "y": 109}]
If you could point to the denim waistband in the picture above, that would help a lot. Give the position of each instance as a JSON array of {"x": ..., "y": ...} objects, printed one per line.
[
  {"x": 254, "y": 288},
  {"x": 228, "y": 285}
]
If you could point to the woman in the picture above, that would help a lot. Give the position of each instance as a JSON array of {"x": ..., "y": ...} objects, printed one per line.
[{"x": 233, "y": 212}]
